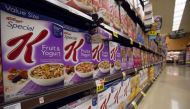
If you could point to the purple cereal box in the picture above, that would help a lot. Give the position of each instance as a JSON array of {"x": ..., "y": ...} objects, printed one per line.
[
  {"x": 115, "y": 57},
  {"x": 77, "y": 55},
  {"x": 123, "y": 58},
  {"x": 100, "y": 57},
  {"x": 130, "y": 59},
  {"x": 101, "y": 33},
  {"x": 31, "y": 52}
]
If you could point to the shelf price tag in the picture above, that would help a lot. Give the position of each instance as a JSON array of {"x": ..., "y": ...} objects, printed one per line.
[
  {"x": 13, "y": 106},
  {"x": 115, "y": 34},
  {"x": 140, "y": 45},
  {"x": 131, "y": 41},
  {"x": 124, "y": 75},
  {"x": 134, "y": 104},
  {"x": 99, "y": 85},
  {"x": 135, "y": 69},
  {"x": 143, "y": 93}
]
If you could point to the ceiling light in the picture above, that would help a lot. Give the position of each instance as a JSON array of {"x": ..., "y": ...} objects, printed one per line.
[{"x": 178, "y": 13}]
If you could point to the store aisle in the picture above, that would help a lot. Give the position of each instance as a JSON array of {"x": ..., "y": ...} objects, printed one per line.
[{"x": 170, "y": 91}]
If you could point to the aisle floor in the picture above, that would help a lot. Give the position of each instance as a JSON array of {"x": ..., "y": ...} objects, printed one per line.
[{"x": 170, "y": 91}]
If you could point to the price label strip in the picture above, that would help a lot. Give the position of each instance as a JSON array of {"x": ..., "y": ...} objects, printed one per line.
[
  {"x": 131, "y": 41},
  {"x": 115, "y": 34},
  {"x": 140, "y": 45},
  {"x": 99, "y": 85},
  {"x": 134, "y": 104}
]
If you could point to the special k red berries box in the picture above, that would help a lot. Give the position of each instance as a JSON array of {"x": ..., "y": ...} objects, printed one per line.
[{"x": 32, "y": 52}]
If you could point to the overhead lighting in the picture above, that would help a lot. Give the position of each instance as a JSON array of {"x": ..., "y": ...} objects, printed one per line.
[{"x": 178, "y": 13}]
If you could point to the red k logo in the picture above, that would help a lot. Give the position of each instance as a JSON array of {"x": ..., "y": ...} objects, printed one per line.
[
  {"x": 113, "y": 53},
  {"x": 23, "y": 39},
  {"x": 96, "y": 52},
  {"x": 116, "y": 97},
  {"x": 71, "y": 50}
]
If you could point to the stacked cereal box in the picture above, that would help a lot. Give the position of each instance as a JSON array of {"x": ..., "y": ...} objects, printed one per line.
[
  {"x": 77, "y": 55},
  {"x": 32, "y": 52},
  {"x": 123, "y": 58},
  {"x": 85, "y": 6},
  {"x": 125, "y": 92},
  {"x": 115, "y": 57},
  {"x": 104, "y": 10},
  {"x": 115, "y": 15},
  {"x": 130, "y": 59},
  {"x": 104, "y": 97},
  {"x": 124, "y": 21},
  {"x": 100, "y": 52}
]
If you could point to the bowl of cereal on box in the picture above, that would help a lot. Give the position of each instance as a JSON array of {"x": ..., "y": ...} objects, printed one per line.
[
  {"x": 117, "y": 65},
  {"x": 84, "y": 69},
  {"x": 104, "y": 66},
  {"x": 47, "y": 74}
]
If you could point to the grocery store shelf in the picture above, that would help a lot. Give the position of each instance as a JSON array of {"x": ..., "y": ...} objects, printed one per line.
[{"x": 61, "y": 93}]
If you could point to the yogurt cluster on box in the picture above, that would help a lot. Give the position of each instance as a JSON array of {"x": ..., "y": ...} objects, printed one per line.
[
  {"x": 115, "y": 57},
  {"x": 31, "y": 52}
]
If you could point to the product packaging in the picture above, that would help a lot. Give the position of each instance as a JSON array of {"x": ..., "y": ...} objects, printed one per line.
[
  {"x": 130, "y": 57},
  {"x": 123, "y": 58},
  {"x": 104, "y": 10},
  {"x": 77, "y": 56},
  {"x": 85, "y": 6},
  {"x": 100, "y": 33},
  {"x": 100, "y": 58},
  {"x": 125, "y": 92},
  {"x": 32, "y": 52},
  {"x": 115, "y": 57},
  {"x": 115, "y": 16},
  {"x": 104, "y": 97},
  {"x": 124, "y": 21}
]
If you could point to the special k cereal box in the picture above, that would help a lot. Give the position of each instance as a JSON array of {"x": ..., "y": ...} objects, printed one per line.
[
  {"x": 115, "y": 16},
  {"x": 104, "y": 97},
  {"x": 100, "y": 58},
  {"x": 124, "y": 94},
  {"x": 77, "y": 55},
  {"x": 115, "y": 57},
  {"x": 100, "y": 33},
  {"x": 113, "y": 103},
  {"x": 31, "y": 52},
  {"x": 85, "y": 6}
]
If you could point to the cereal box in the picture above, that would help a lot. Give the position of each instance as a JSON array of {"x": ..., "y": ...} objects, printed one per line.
[
  {"x": 88, "y": 102},
  {"x": 104, "y": 97},
  {"x": 100, "y": 33},
  {"x": 115, "y": 16},
  {"x": 85, "y": 6},
  {"x": 115, "y": 57},
  {"x": 104, "y": 10},
  {"x": 123, "y": 58},
  {"x": 125, "y": 92},
  {"x": 114, "y": 101},
  {"x": 124, "y": 21},
  {"x": 130, "y": 59},
  {"x": 100, "y": 58},
  {"x": 77, "y": 55},
  {"x": 32, "y": 52}
]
